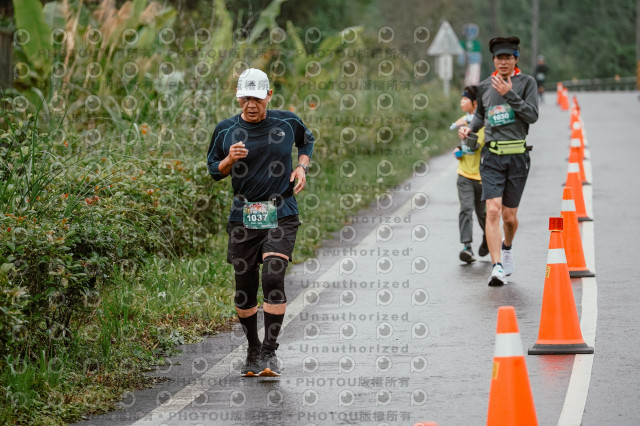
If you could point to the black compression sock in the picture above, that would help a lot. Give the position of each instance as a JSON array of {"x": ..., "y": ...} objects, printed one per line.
[
  {"x": 250, "y": 327},
  {"x": 272, "y": 326},
  {"x": 505, "y": 247}
]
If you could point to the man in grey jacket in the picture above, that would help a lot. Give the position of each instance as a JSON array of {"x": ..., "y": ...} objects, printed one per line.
[{"x": 507, "y": 105}]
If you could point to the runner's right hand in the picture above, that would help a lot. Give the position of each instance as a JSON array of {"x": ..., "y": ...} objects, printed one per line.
[
  {"x": 463, "y": 132},
  {"x": 237, "y": 151}
]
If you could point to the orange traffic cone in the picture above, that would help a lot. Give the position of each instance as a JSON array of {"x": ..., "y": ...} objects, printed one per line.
[
  {"x": 564, "y": 104},
  {"x": 575, "y": 104},
  {"x": 575, "y": 116},
  {"x": 559, "y": 331},
  {"x": 575, "y": 181},
  {"x": 578, "y": 133},
  {"x": 575, "y": 113},
  {"x": 576, "y": 156},
  {"x": 559, "y": 89},
  {"x": 571, "y": 238},
  {"x": 510, "y": 397}
]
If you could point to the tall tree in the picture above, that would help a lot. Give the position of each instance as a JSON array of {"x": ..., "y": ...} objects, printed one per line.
[
  {"x": 493, "y": 10},
  {"x": 638, "y": 45},
  {"x": 534, "y": 32}
]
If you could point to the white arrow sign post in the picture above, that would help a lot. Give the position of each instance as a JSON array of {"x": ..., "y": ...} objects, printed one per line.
[{"x": 445, "y": 45}]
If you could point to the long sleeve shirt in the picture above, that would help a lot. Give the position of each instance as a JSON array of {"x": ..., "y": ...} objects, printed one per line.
[
  {"x": 523, "y": 99},
  {"x": 265, "y": 172}
]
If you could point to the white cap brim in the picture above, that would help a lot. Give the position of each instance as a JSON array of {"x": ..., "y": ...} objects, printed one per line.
[{"x": 260, "y": 94}]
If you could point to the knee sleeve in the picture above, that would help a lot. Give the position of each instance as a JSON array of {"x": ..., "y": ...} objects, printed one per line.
[
  {"x": 273, "y": 270},
  {"x": 247, "y": 280}
]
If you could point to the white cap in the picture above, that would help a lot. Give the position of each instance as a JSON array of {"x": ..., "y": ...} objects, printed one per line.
[{"x": 253, "y": 82}]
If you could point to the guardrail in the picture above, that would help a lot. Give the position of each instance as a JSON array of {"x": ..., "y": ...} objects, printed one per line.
[{"x": 615, "y": 83}]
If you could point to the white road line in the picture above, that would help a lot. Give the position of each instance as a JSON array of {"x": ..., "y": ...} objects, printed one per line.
[
  {"x": 587, "y": 168},
  {"x": 185, "y": 396},
  {"x": 578, "y": 389},
  {"x": 587, "y": 191}
]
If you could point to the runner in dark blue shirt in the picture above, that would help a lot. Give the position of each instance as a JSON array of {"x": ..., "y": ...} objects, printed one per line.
[
  {"x": 265, "y": 171},
  {"x": 255, "y": 148}
]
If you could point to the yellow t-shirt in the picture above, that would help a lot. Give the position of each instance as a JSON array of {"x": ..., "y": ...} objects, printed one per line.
[{"x": 469, "y": 165}]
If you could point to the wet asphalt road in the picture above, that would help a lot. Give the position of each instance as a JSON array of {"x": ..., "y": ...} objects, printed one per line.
[
  {"x": 386, "y": 326},
  {"x": 615, "y": 385}
]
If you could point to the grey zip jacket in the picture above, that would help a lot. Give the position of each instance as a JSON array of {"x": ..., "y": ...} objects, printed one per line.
[{"x": 523, "y": 99}]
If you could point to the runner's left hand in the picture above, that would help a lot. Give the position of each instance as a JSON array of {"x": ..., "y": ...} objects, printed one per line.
[{"x": 298, "y": 174}]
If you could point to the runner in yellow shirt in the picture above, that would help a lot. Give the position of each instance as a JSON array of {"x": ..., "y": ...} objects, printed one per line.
[{"x": 469, "y": 183}]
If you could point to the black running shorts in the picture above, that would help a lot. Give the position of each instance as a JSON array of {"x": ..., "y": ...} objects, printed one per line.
[
  {"x": 504, "y": 176},
  {"x": 247, "y": 245}
]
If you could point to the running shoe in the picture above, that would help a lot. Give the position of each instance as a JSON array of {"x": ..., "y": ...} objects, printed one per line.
[
  {"x": 270, "y": 364},
  {"x": 483, "y": 250},
  {"x": 497, "y": 277},
  {"x": 507, "y": 261},
  {"x": 252, "y": 365},
  {"x": 466, "y": 255}
]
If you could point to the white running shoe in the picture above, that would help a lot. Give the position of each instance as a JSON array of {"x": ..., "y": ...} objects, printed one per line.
[
  {"x": 497, "y": 277},
  {"x": 507, "y": 261}
]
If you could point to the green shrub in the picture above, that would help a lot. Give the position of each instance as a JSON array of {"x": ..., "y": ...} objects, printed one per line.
[
  {"x": 112, "y": 241},
  {"x": 13, "y": 303}
]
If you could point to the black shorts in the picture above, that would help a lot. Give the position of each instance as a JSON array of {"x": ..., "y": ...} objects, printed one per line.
[
  {"x": 504, "y": 176},
  {"x": 247, "y": 245}
]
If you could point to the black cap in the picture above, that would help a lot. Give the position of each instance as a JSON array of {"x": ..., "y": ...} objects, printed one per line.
[{"x": 504, "y": 45}]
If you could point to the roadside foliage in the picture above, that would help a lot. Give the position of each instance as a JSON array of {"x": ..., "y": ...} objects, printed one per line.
[{"x": 112, "y": 241}]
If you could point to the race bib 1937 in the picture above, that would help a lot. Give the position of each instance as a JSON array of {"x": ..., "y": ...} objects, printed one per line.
[
  {"x": 260, "y": 215},
  {"x": 499, "y": 115}
]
